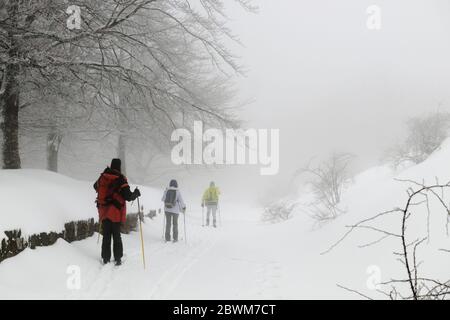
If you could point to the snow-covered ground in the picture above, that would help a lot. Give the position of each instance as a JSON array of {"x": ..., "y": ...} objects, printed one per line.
[
  {"x": 37, "y": 200},
  {"x": 244, "y": 258}
]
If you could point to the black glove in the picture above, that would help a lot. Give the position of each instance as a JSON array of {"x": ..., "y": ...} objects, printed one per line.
[{"x": 136, "y": 193}]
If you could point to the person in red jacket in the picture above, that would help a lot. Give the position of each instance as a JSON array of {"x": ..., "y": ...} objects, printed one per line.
[{"x": 112, "y": 193}]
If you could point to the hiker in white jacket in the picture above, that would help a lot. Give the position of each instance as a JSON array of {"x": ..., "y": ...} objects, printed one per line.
[{"x": 173, "y": 206}]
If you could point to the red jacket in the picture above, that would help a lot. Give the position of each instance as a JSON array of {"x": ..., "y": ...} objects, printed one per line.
[{"x": 111, "y": 202}]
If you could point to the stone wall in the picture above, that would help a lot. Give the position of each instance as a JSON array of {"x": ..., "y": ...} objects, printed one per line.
[{"x": 15, "y": 242}]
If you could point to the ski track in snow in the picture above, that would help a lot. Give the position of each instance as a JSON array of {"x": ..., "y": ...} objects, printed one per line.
[
  {"x": 104, "y": 278},
  {"x": 168, "y": 265},
  {"x": 268, "y": 278},
  {"x": 168, "y": 282}
]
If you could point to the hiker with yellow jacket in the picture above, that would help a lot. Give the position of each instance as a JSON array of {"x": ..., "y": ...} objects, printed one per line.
[{"x": 211, "y": 200}]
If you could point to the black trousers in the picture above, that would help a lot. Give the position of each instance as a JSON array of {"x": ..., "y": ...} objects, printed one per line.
[
  {"x": 111, "y": 229},
  {"x": 171, "y": 219}
]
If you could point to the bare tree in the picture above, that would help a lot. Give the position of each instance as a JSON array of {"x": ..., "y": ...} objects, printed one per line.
[
  {"x": 327, "y": 180},
  {"x": 167, "y": 54},
  {"x": 424, "y": 136},
  {"x": 414, "y": 285}
]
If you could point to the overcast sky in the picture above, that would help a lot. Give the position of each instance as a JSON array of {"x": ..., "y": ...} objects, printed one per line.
[{"x": 316, "y": 72}]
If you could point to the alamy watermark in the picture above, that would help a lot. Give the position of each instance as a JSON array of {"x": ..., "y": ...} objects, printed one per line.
[
  {"x": 373, "y": 22},
  {"x": 73, "y": 22},
  {"x": 73, "y": 281},
  {"x": 373, "y": 17},
  {"x": 374, "y": 280},
  {"x": 227, "y": 147}
]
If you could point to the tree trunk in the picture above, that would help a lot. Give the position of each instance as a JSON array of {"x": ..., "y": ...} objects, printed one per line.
[
  {"x": 9, "y": 101},
  {"x": 53, "y": 143},
  {"x": 121, "y": 150}
]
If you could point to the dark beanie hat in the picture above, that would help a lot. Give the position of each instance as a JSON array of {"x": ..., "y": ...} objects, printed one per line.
[
  {"x": 116, "y": 164},
  {"x": 173, "y": 184}
]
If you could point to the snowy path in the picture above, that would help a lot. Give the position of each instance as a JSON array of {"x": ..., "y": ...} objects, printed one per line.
[
  {"x": 214, "y": 263},
  {"x": 243, "y": 259},
  {"x": 233, "y": 266},
  {"x": 237, "y": 260}
]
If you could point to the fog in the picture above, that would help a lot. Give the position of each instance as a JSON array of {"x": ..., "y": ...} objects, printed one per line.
[{"x": 316, "y": 72}]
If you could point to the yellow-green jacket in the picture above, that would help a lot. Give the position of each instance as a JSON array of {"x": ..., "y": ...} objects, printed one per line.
[{"x": 211, "y": 196}]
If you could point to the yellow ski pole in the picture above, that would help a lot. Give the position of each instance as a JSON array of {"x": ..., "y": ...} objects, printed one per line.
[{"x": 140, "y": 228}]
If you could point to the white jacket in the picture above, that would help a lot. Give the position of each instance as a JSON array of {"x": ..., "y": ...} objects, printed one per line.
[{"x": 179, "y": 203}]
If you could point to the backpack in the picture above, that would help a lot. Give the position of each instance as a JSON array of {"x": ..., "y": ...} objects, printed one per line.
[
  {"x": 107, "y": 186},
  {"x": 212, "y": 195},
  {"x": 171, "y": 198}
]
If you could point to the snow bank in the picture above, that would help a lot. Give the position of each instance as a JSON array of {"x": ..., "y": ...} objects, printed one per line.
[
  {"x": 374, "y": 191},
  {"x": 37, "y": 201}
]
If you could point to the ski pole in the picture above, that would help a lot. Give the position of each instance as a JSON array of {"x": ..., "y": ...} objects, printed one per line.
[
  {"x": 142, "y": 237},
  {"x": 164, "y": 226},
  {"x": 185, "y": 237},
  {"x": 220, "y": 216},
  {"x": 99, "y": 231},
  {"x": 203, "y": 215}
]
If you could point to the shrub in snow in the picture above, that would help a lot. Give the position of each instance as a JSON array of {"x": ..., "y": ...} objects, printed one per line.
[
  {"x": 277, "y": 212},
  {"x": 424, "y": 136},
  {"x": 415, "y": 285},
  {"x": 327, "y": 181}
]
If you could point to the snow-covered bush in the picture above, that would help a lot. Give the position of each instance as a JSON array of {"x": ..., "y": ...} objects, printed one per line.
[
  {"x": 279, "y": 211},
  {"x": 424, "y": 136},
  {"x": 327, "y": 180}
]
